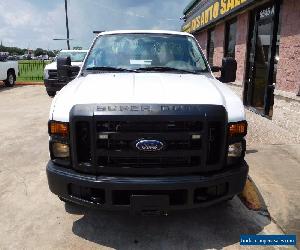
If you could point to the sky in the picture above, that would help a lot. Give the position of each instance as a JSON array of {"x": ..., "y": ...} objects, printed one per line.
[{"x": 35, "y": 23}]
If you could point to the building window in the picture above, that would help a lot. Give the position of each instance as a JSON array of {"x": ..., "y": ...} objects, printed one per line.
[
  {"x": 211, "y": 46},
  {"x": 230, "y": 38}
]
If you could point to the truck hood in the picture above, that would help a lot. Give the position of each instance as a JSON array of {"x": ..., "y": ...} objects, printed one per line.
[
  {"x": 53, "y": 65},
  {"x": 146, "y": 88}
]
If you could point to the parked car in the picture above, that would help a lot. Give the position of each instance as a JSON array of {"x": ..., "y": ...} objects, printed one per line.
[
  {"x": 146, "y": 127},
  {"x": 8, "y": 71},
  {"x": 12, "y": 58},
  {"x": 51, "y": 81}
]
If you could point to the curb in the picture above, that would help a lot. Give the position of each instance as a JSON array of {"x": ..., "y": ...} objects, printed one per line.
[
  {"x": 29, "y": 83},
  {"x": 252, "y": 198}
]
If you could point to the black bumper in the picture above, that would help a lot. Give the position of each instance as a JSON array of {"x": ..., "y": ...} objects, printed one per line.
[
  {"x": 54, "y": 84},
  {"x": 146, "y": 193}
]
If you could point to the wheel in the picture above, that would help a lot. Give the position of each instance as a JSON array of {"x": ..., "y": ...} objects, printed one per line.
[
  {"x": 51, "y": 93},
  {"x": 11, "y": 79}
]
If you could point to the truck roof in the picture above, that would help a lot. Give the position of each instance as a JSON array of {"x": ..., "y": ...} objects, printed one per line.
[{"x": 170, "y": 32}]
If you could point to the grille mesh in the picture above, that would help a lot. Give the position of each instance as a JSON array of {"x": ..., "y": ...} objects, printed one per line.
[{"x": 108, "y": 146}]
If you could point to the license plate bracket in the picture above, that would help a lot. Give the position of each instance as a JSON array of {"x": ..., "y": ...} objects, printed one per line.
[{"x": 149, "y": 203}]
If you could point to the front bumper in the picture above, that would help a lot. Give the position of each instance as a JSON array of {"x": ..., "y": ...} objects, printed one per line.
[
  {"x": 145, "y": 193},
  {"x": 54, "y": 84}
]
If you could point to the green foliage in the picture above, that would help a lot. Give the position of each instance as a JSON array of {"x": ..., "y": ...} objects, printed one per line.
[
  {"x": 12, "y": 50},
  {"x": 18, "y": 51},
  {"x": 39, "y": 52},
  {"x": 51, "y": 53}
]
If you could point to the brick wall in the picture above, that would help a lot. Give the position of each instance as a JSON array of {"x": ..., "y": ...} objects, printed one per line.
[
  {"x": 219, "y": 44},
  {"x": 288, "y": 73},
  {"x": 202, "y": 39},
  {"x": 241, "y": 45}
]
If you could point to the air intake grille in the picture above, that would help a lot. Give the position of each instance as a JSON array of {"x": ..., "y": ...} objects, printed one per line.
[
  {"x": 52, "y": 74},
  {"x": 150, "y": 127},
  {"x": 119, "y": 149},
  {"x": 107, "y": 144}
]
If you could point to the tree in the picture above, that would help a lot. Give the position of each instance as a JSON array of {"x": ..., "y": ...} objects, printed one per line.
[
  {"x": 39, "y": 52},
  {"x": 18, "y": 51},
  {"x": 50, "y": 53},
  {"x": 11, "y": 50}
]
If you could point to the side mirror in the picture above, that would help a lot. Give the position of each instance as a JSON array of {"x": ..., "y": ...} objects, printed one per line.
[
  {"x": 63, "y": 68},
  {"x": 228, "y": 70},
  {"x": 65, "y": 71}
]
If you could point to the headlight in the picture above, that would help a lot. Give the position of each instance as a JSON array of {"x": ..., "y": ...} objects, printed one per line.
[
  {"x": 46, "y": 74},
  {"x": 235, "y": 150},
  {"x": 60, "y": 150},
  {"x": 59, "y": 144}
]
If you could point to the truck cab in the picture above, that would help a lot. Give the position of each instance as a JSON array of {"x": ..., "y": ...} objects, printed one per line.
[
  {"x": 8, "y": 71},
  {"x": 146, "y": 127}
]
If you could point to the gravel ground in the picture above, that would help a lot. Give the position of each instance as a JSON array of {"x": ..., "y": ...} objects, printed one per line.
[{"x": 263, "y": 131}]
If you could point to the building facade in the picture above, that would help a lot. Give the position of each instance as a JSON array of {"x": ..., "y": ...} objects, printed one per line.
[{"x": 264, "y": 38}]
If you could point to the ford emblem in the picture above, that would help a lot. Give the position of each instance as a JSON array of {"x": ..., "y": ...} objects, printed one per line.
[{"x": 149, "y": 145}]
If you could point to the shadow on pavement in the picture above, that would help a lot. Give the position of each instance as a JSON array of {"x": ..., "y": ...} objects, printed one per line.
[
  {"x": 251, "y": 151},
  {"x": 214, "y": 227},
  {"x": 4, "y": 88}
]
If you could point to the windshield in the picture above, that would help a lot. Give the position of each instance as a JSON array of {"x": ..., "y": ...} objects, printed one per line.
[
  {"x": 146, "y": 51},
  {"x": 76, "y": 56}
]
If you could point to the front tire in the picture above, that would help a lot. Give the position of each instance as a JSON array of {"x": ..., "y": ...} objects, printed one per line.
[{"x": 11, "y": 79}]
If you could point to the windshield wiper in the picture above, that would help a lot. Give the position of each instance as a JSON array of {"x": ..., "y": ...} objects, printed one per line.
[
  {"x": 109, "y": 69},
  {"x": 166, "y": 69}
]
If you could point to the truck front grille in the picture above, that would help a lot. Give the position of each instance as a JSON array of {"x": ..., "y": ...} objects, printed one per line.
[
  {"x": 107, "y": 144},
  {"x": 149, "y": 127},
  {"x": 52, "y": 74},
  {"x": 119, "y": 150}
]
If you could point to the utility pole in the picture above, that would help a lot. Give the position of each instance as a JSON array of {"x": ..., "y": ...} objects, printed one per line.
[{"x": 67, "y": 24}]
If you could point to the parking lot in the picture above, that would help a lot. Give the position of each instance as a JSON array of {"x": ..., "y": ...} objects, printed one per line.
[{"x": 31, "y": 217}]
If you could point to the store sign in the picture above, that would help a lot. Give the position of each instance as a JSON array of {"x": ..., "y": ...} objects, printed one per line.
[
  {"x": 268, "y": 12},
  {"x": 212, "y": 11}
]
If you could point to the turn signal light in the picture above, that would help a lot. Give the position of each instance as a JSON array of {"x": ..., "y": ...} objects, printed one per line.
[
  {"x": 58, "y": 128},
  {"x": 238, "y": 129}
]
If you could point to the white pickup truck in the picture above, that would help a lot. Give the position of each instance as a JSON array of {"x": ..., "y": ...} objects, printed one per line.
[
  {"x": 51, "y": 81},
  {"x": 8, "y": 72},
  {"x": 145, "y": 126}
]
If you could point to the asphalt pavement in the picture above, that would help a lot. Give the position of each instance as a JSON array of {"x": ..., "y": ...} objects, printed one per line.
[
  {"x": 33, "y": 218},
  {"x": 276, "y": 171}
]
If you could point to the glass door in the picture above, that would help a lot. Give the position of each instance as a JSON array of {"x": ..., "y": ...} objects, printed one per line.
[
  {"x": 259, "y": 84},
  {"x": 211, "y": 47},
  {"x": 261, "y": 64}
]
